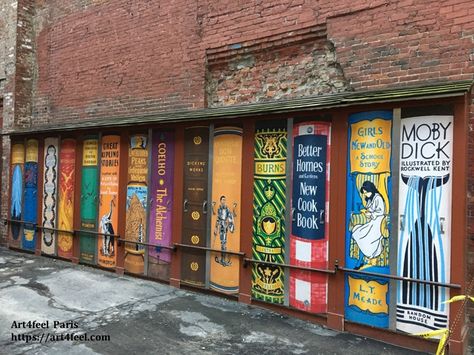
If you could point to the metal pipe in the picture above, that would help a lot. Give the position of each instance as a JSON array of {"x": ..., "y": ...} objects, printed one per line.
[
  {"x": 36, "y": 226},
  {"x": 399, "y": 278},
  {"x": 239, "y": 253},
  {"x": 56, "y": 230},
  {"x": 96, "y": 233},
  {"x": 19, "y": 221},
  {"x": 324, "y": 271},
  {"x": 121, "y": 240}
]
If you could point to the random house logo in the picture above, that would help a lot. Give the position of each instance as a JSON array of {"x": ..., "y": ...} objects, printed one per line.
[{"x": 419, "y": 317}]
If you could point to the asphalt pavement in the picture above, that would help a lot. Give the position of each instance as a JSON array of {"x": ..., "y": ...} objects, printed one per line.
[{"x": 49, "y": 306}]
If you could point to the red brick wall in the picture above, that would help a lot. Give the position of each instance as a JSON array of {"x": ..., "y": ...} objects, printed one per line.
[{"x": 98, "y": 58}]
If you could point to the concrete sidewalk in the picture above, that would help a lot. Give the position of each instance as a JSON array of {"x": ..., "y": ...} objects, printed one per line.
[{"x": 144, "y": 317}]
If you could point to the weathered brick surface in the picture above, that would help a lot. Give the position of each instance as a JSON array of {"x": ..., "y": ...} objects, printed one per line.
[
  {"x": 86, "y": 59},
  {"x": 99, "y": 59},
  {"x": 294, "y": 71},
  {"x": 8, "y": 28}
]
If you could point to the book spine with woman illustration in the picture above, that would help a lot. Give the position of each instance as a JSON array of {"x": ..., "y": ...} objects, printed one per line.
[{"x": 368, "y": 217}]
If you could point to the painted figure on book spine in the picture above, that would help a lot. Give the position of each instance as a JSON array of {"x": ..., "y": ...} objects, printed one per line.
[{"x": 225, "y": 220}]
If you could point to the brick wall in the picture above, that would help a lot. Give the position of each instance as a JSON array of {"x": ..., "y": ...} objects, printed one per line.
[
  {"x": 470, "y": 207},
  {"x": 95, "y": 58},
  {"x": 8, "y": 27}
]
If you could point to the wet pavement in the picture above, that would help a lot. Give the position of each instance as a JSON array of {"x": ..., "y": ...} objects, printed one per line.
[{"x": 72, "y": 302}]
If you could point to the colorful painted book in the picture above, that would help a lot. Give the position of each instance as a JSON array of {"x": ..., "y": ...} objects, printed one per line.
[
  {"x": 195, "y": 206},
  {"x": 89, "y": 199},
  {"x": 369, "y": 191},
  {"x": 310, "y": 215},
  {"x": 67, "y": 166},
  {"x": 269, "y": 211},
  {"x": 424, "y": 239},
  {"x": 28, "y": 241},
  {"x": 108, "y": 200},
  {"x": 50, "y": 196},
  {"x": 137, "y": 201},
  {"x": 226, "y": 207},
  {"x": 16, "y": 198},
  {"x": 161, "y": 203}
]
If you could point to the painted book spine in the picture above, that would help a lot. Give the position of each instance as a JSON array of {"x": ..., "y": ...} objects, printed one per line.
[
  {"x": 161, "y": 203},
  {"x": 67, "y": 166},
  {"x": 108, "y": 200},
  {"x": 16, "y": 198},
  {"x": 369, "y": 191},
  {"x": 225, "y": 204},
  {"x": 310, "y": 215},
  {"x": 195, "y": 208},
  {"x": 424, "y": 242},
  {"x": 50, "y": 196},
  {"x": 137, "y": 200},
  {"x": 31, "y": 195},
  {"x": 89, "y": 198},
  {"x": 269, "y": 212}
]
